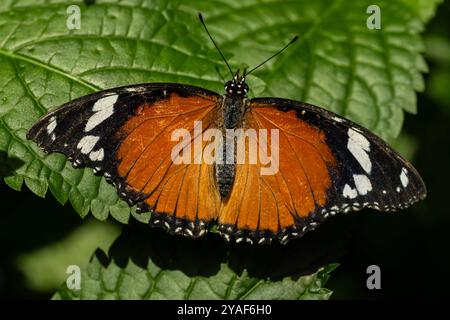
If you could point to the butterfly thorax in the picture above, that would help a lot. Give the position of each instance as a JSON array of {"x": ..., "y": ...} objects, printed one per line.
[
  {"x": 234, "y": 101},
  {"x": 233, "y": 109}
]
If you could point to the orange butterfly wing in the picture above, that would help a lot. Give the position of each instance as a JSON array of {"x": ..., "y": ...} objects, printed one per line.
[
  {"x": 267, "y": 206},
  {"x": 182, "y": 196}
]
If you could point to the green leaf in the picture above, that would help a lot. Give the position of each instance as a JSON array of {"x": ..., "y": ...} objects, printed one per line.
[
  {"x": 45, "y": 268},
  {"x": 425, "y": 9},
  {"x": 369, "y": 76},
  {"x": 150, "y": 264}
]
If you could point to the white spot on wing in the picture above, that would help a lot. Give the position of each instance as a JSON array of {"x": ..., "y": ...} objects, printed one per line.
[
  {"x": 97, "y": 155},
  {"x": 362, "y": 184},
  {"x": 404, "y": 177},
  {"x": 87, "y": 143},
  {"x": 359, "y": 147},
  {"x": 349, "y": 192},
  {"x": 103, "y": 108},
  {"x": 337, "y": 119},
  {"x": 51, "y": 127}
]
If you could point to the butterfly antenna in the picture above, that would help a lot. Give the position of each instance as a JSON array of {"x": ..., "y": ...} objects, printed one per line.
[
  {"x": 204, "y": 25},
  {"x": 284, "y": 48}
]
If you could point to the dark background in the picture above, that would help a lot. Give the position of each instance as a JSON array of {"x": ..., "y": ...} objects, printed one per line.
[{"x": 410, "y": 247}]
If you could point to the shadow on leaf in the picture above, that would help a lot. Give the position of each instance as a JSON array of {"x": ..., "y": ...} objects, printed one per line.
[
  {"x": 202, "y": 257},
  {"x": 8, "y": 165}
]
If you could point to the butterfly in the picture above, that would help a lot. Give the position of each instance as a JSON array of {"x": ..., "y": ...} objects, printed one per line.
[{"x": 324, "y": 163}]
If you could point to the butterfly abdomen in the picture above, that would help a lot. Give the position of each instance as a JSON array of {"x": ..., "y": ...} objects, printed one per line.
[
  {"x": 232, "y": 111},
  {"x": 233, "y": 107}
]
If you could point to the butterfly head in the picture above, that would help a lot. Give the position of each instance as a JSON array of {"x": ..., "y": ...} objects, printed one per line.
[{"x": 237, "y": 86}]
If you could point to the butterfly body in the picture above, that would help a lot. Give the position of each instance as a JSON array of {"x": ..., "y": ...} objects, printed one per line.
[{"x": 233, "y": 109}]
